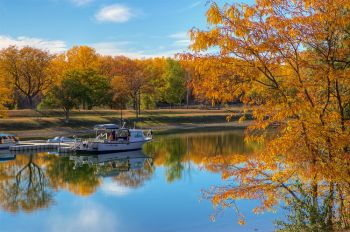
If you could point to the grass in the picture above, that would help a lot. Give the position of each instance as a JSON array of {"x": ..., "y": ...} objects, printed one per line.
[{"x": 44, "y": 124}]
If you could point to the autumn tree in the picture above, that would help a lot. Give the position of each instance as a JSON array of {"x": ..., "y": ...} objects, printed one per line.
[
  {"x": 292, "y": 58},
  {"x": 82, "y": 58},
  {"x": 28, "y": 69},
  {"x": 120, "y": 94},
  {"x": 212, "y": 78},
  {"x": 5, "y": 93},
  {"x": 136, "y": 82}
]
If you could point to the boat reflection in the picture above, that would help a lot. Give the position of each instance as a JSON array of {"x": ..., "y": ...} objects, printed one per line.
[
  {"x": 5, "y": 155},
  {"x": 112, "y": 164}
]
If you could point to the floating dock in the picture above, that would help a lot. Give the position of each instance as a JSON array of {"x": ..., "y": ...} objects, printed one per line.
[{"x": 41, "y": 146}]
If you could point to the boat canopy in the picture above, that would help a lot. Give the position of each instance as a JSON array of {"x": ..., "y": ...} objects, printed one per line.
[{"x": 106, "y": 127}]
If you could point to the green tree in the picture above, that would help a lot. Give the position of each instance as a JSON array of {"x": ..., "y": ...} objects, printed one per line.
[
  {"x": 99, "y": 88},
  {"x": 175, "y": 87},
  {"x": 67, "y": 94}
]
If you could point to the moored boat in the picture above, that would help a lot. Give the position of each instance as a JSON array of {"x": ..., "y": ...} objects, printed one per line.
[
  {"x": 110, "y": 138},
  {"x": 7, "y": 140}
]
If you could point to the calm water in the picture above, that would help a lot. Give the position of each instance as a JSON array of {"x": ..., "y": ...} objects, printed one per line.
[{"x": 158, "y": 189}]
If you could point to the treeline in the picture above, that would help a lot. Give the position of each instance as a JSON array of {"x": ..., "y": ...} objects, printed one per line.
[{"x": 83, "y": 79}]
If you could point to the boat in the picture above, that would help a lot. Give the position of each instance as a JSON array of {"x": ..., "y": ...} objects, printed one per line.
[
  {"x": 7, "y": 140},
  {"x": 110, "y": 138},
  {"x": 59, "y": 139}
]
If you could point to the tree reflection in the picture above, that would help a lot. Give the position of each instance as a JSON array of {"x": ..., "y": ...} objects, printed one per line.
[
  {"x": 137, "y": 175},
  {"x": 79, "y": 180},
  {"x": 23, "y": 185},
  {"x": 312, "y": 183},
  {"x": 178, "y": 153}
]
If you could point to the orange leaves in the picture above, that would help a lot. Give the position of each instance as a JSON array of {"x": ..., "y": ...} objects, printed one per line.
[
  {"x": 82, "y": 57},
  {"x": 291, "y": 60},
  {"x": 5, "y": 93},
  {"x": 212, "y": 79},
  {"x": 213, "y": 14}
]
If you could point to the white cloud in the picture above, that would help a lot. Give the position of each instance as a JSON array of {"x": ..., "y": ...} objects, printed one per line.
[
  {"x": 191, "y": 6},
  {"x": 112, "y": 48},
  {"x": 53, "y": 46},
  {"x": 90, "y": 218},
  {"x": 120, "y": 48},
  {"x": 195, "y": 4},
  {"x": 179, "y": 35},
  {"x": 114, "y": 189},
  {"x": 114, "y": 13},
  {"x": 181, "y": 39},
  {"x": 81, "y": 2}
]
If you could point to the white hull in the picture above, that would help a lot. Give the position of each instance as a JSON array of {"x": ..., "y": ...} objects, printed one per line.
[{"x": 108, "y": 147}]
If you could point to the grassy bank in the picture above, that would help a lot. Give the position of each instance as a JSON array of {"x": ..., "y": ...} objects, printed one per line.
[{"x": 45, "y": 124}]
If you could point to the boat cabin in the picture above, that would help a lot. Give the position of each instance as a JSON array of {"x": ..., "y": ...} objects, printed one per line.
[{"x": 113, "y": 133}]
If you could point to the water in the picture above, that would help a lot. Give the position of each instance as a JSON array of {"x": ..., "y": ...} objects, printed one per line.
[{"x": 158, "y": 189}]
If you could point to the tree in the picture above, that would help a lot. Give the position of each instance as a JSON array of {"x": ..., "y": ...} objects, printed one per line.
[
  {"x": 120, "y": 94},
  {"x": 27, "y": 69},
  {"x": 135, "y": 79},
  {"x": 174, "y": 77},
  {"x": 99, "y": 88},
  {"x": 5, "y": 93},
  {"x": 67, "y": 94},
  {"x": 292, "y": 58},
  {"x": 213, "y": 79},
  {"x": 82, "y": 57},
  {"x": 153, "y": 93}
]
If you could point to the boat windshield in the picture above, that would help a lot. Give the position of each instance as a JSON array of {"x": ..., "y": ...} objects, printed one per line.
[{"x": 121, "y": 134}]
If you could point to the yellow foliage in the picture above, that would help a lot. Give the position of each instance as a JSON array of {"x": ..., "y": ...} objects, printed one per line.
[{"x": 291, "y": 60}]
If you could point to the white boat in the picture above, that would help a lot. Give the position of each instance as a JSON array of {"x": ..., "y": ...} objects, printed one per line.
[
  {"x": 7, "y": 140},
  {"x": 110, "y": 138}
]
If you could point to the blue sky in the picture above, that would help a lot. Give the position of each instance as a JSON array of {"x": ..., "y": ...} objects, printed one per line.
[{"x": 135, "y": 28}]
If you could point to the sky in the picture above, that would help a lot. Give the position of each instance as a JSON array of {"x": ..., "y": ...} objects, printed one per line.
[{"x": 134, "y": 28}]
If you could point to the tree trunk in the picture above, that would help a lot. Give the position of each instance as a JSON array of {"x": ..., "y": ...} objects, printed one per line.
[
  {"x": 135, "y": 105},
  {"x": 121, "y": 115},
  {"x": 139, "y": 105},
  {"x": 187, "y": 96},
  {"x": 30, "y": 102},
  {"x": 66, "y": 115}
]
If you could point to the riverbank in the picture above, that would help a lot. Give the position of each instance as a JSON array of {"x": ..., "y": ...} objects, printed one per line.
[{"x": 30, "y": 124}]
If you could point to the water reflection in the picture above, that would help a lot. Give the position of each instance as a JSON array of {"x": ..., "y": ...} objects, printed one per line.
[
  {"x": 312, "y": 184},
  {"x": 24, "y": 185},
  {"x": 315, "y": 197},
  {"x": 178, "y": 153},
  {"x": 28, "y": 181}
]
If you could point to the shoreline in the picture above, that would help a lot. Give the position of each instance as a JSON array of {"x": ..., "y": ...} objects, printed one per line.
[
  {"x": 27, "y": 125},
  {"x": 173, "y": 129}
]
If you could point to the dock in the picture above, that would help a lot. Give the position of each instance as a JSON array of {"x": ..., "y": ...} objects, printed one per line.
[{"x": 39, "y": 145}]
